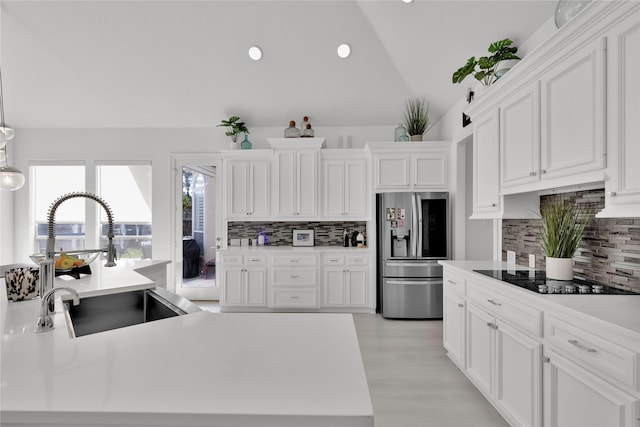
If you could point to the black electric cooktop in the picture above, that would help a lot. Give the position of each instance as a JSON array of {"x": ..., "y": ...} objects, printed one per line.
[{"x": 536, "y": 281}]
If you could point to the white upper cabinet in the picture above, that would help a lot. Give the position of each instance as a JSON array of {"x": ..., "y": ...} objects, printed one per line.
[
  {"x": 410, "y": 166},
  {"x": 573, "y": 114},
  {"x": 520, "y": 138},
  {"x": 486, "y": 178},
  {"x": 344, "y": 184},
  {"x": 248, "y": 185},
  {"x": 623, "y": 184},
  {"x": 296, "y": 182}
]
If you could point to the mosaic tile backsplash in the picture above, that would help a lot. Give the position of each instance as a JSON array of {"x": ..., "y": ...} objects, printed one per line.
[
  {"x": 281, "y": 233},
  {"x": 610, "y": 249}
]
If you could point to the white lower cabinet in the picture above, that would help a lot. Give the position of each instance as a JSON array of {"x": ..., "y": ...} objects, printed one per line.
[
  {"x": 294, "y": 281},
  {"x": 345, "y": 280},
  {"x": 574, "y": 396},
  {"x": 505, "y": 364},
  {"x": 573, "y": 372},
  {"x": 244, "y": 281}
]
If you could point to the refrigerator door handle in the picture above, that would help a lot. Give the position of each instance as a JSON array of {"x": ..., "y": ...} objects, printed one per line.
[
  {"x": 414, "y": 225},
  {"x": 418, "y": 210}
]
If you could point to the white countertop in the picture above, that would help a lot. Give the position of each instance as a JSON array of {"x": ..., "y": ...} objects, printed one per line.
[
  {"x": 620, "y": 310},
  {"x": 244, "y": 369},
  {"x": 297, "y": 249}
]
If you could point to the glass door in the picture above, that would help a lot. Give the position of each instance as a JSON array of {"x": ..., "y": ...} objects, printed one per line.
[
  {"x": 434, "y": 235},
  {"x": 198, "y": 226}
]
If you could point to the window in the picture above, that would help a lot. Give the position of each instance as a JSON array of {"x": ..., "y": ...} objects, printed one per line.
[
  {"x": 127, "y": 191},
  {"x": 50, "y": 182}
]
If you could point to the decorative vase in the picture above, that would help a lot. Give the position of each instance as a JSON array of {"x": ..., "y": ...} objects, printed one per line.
[
  {"x": 246, "y": 144},
  {"x": 399, "y": 132},
  {"x": 415, "y": 138},
  {"x": 559, "y": 268}
]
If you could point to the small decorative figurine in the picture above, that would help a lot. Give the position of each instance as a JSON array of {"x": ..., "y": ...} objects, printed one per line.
[{"x": 292, "y": 131}]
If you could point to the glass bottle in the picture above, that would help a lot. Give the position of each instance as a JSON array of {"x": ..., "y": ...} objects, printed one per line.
[
  {"x": 292, "y": 131},
  {"x": 403, "y": 138},
  {"x": 308, "y": 132},
  {"x": 245, "y": 144},
  {"x": 304, "y": 123},
  {"x": 400, "y": 130}
]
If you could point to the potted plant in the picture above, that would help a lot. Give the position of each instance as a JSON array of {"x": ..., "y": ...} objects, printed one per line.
[
  {"x": 484, "y": 68},
  {"x": 416, "y": 118},
  {"x": 560, "y": 234},
  {"x": 234, "y": 127}
]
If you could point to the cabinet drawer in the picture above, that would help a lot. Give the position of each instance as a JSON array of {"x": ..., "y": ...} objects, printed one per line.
[
  {"x": 357, "y": 260},
  {"x": 294, "y": 298},
  {"x": 526, "y": 318},
  {"x": 333, "y": 260},
  {"x": 295, "y": 260},
  {"x": 231, "y": 260},
  {"x": 255, "y": 260},
  {"x": 455, "y": 283},
  {"x": 294, "y": 277},
  {"x": 610, "y": 359}
]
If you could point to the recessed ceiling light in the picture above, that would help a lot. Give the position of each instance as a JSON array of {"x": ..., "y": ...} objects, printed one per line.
[
  {"x": 344, "y": 50},
  {"x": 407, "y": 1},
  {"x": 255, "y": 53}
]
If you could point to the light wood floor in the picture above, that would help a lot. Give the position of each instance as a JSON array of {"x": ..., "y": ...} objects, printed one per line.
[{"x": 411, "y": 380}]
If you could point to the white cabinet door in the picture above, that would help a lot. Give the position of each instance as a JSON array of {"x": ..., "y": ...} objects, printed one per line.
[
  {"x": 255, "y": 286},
  {"x": 334, "y": 286},
  {"x": 333, "y": 189},
  {"x": 232, "y": 286},
  {"x": 296, "y": 181},
  {"x": 355, "y": 185},
  {"x": 454, "y": 327},
  {"x": 575, "y": 397},
  {"x": 391, "y": 171},
  {"x": 623, "y": 186},
  {"x": 573, "y": 114},
  {"x": 486, "y": 179},
  {"x": 480, "y": 347},
  {"x": 518, "y": 375},
  {"x": 520, "y": 138},
  {"x": 356, "y": 291},
  {"x": 430, "y": 171},
  {"x": 249, "y": 189}
]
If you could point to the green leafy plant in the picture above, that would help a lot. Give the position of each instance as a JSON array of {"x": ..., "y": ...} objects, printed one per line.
[
  {"x": 234, "y": 127},
  {"x": 484, "y": 68},
  {"x": 562, "y": 229},
  {"x": 416, "y": 116}
]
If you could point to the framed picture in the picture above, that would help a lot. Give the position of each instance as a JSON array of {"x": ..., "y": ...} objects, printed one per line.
[{"x": 302, "y": 237}]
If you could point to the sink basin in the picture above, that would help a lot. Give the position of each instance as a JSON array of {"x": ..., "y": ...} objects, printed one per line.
[{"x": 118, "y": 310}]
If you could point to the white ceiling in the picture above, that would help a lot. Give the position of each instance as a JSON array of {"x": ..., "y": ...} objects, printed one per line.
[{"x": 133, "y": 64}]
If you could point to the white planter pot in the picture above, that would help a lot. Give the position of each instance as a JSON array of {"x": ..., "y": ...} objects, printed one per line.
[
  {"x": 234, "y": 145},
  {"x": 559, "y": 268}
]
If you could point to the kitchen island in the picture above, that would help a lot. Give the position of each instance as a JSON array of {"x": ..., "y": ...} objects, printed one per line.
[{"x": 241, "y": 369}]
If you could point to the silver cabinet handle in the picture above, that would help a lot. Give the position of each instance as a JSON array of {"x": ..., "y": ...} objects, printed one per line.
[
  {"x": 295, "y": 276},
  {"x": 532, "y": 174},
  {"x": 493, "y": 205},
  {"x": 543, "y": 171},
  {"x": 611, "y": 193},
  {"x": 460, "y": 305},
  {"x": 582, "y": 347},
  {"x": 295, "y": 297},
  {"x": 453, "y": 282},
  {"x": 492, "y": 325},
  {"x": 294, "y": 260},
  {"x": 494, "y": 302}
]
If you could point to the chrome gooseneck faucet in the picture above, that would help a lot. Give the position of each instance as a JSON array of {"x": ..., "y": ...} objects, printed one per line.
[{"x": 47, "y": 268}]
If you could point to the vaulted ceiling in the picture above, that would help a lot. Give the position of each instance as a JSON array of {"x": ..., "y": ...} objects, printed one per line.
[{"x": 133, "y": 64}]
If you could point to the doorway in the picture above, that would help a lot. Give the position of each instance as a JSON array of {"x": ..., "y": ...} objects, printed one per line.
[{"x": 197, "y": 235}]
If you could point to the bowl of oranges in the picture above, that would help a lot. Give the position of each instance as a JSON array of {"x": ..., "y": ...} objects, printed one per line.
[{"x": 67, "y": 261}]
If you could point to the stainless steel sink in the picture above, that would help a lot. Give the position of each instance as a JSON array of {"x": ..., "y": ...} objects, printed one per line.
[{"x": 118, "y": 310}]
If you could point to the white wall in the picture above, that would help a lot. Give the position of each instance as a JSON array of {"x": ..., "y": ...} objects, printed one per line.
[{"x": 6, "y": 227}]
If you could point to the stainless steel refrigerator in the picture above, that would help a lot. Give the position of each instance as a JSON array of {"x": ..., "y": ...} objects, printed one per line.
[{"x": 413, "y": 234}]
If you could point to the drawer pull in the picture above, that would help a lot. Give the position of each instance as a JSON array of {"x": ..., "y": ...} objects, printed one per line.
[
  {"x": 294, "y": 260},
  {"x": 582, "y": 347},
  {"x": 295, "y": 276},
  {"x": 460, "y": 305},
  {"x": 492, "y": 325},
  {"x": 453, "y": 282},
  {"x": 295, "y": 297},
  {"x": 494, "y": 302},
  {"x": 255, "y": 260}
]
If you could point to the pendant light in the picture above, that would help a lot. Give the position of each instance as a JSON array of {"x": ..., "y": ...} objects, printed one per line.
[{"x": 11, "y": 179}]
